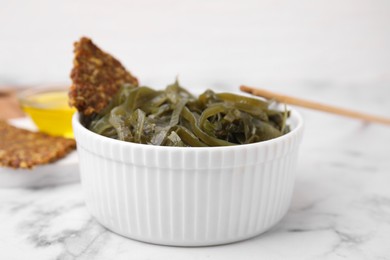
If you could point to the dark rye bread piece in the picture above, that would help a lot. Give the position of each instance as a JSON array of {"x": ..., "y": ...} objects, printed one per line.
[
  {"x": 20, "y": 148},
  {"x": 96, "y": 77}
]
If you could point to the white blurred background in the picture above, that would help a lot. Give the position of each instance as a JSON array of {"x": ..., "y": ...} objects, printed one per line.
[{"x": 215, "y": 43}]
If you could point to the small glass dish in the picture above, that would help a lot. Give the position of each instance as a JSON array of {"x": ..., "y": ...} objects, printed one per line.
[{"x": 49, "y": 109}]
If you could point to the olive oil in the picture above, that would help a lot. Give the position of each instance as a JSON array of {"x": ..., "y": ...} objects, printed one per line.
[{"x": 50, "y": 112}]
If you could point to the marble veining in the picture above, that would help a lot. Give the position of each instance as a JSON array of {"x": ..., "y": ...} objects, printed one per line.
[{"x": 340, "y": 207}]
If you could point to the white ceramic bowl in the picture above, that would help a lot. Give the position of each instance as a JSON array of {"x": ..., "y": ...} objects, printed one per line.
[{"x": 186, "y": 196}]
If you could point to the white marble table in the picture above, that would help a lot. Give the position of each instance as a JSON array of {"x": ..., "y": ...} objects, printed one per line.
[{"x": 340, "y": 208}]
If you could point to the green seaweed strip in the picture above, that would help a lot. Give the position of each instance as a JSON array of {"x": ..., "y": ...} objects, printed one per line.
[{"x": 174, "y": 117}]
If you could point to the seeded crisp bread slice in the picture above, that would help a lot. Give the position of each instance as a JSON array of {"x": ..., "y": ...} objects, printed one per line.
[
  {"x": 20, "y": 148},
  {"x": 96, "y": 77}
]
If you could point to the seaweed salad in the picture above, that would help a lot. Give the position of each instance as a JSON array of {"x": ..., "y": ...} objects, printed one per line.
[
  {"x": 111, "y": 103},
  {"x": 175, "y": 117}
]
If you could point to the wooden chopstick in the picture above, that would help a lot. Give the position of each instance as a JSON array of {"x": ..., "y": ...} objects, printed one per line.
[{"x": 314, "y": 105}]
